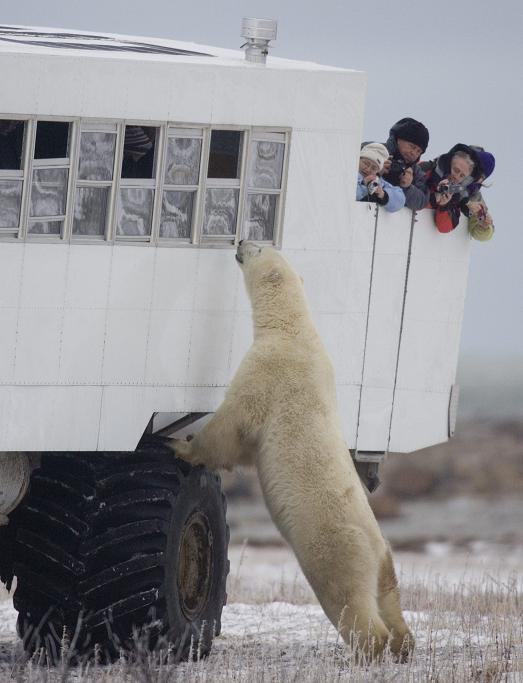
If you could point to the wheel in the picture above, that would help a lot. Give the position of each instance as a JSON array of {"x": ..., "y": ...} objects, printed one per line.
[{"x": 111, "y": 549}]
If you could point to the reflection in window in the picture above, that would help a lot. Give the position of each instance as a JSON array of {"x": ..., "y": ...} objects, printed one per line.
[
  {"x": 90, "y": 211},
  {"x": 52, "y": 138},
  {"x": 94, "y": 181},
  {"x": 10, "y": 200},
  {"x": 135, "y": 210},
  {"x": 11, "y": 144},
  {"x": 139, "y": 152},
  {"x": 264, "y": 186},
  {"x": 11, "y": 183},
  {"x": 177, "y": 211},
  {"x": 50, "y": 178},
  {"x": 96, "y": 156},
  {"x": 266, "y": 164},
  {"x": 183, "y": 161},
  {"x": 260, "y": 216},
  {"x": 49, "y": 192},
  {"x": 181, "y": 179},
  {"x": 221, "y": 210},
  {"x": 45, "y": 228},
  {"x": 105, "y": 206},
  {"x": 225, "y": 154}
]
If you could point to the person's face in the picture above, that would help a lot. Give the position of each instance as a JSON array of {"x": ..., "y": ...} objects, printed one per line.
[
  {"x": 459, "y": 169},
  {"x": 408, "y": 150},
  {"x": 368, "y": 167}
]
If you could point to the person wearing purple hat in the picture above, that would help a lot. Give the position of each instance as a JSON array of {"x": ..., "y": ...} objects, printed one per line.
[
  {"x": 454, "y": 180},
  {"x": 487, "y": 161},
  {"x": 449, "y": 178}
]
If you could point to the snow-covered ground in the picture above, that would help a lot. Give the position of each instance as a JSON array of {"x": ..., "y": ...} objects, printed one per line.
[
  {"x": 274, "y": 574},
  {"x": 464, "y": 609}
]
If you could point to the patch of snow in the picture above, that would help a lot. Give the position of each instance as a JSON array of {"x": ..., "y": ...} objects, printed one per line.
[
  {"x": 277, "y": 622},
  {"x": 7, "y": 620},
  {"x": 438, "y": 549}
]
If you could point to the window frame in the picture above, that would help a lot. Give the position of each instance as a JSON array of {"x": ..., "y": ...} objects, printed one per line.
[
  {"x": 190, "y": 133},
  {"x": 139, "y": 183},
  {"x": 36, "y": 164},
  {"x": 14, "y": 234},
  {"x": 166, "y": 130},
  {"x": 94, "y": 126},
  {"x": 264, "y": 134},
  {"x": 223, "y": 183}
]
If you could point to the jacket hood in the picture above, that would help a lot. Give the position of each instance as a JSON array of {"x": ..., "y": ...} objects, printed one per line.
[{"x": 445, "y": 159}]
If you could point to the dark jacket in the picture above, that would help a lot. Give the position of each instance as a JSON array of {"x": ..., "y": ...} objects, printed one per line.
[
  {"x": 416, "y": 196},
  {"x": 447, "y": 217}
]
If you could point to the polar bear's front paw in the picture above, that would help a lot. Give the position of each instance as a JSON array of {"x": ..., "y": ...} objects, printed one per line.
[{"x": 183, "y": 449}]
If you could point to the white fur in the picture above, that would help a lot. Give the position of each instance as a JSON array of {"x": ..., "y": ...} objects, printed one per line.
[{"x": 280, "y": 414}]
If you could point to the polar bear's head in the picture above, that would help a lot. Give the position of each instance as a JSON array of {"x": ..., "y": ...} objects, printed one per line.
[
  {"x": 274, "y": 287},
  {"x": 265, "y": 267}
]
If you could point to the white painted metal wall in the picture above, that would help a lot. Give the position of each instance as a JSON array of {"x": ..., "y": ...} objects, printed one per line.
[{"x": 96, "y": 338}]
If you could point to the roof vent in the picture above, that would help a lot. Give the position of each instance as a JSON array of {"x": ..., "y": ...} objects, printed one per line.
[{"x": 258, "y": 33}]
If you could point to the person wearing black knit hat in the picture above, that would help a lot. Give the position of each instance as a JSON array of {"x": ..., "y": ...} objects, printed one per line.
[
  {"x": 410, "y": 130},
  {"x": 408, "y": 140}
]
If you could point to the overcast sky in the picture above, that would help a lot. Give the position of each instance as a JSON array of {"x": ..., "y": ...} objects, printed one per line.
[{"x": 455, "y": 65}]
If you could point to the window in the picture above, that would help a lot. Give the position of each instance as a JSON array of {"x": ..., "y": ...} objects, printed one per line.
[
  {"x": 223, "y": 184},
  {"x": 50, "y": 177},
  {"x": 94, "y": 180},
  {"x": 137, "y": 182},
  {"x": 12, "y": 133},
  {"x": 225, "y": 154},
  {"x": 171, "y": 184},
  {"x": 52, "y": 140},
  {"x": 264, "y": 184},
  {"x": 180, "y": 182}
]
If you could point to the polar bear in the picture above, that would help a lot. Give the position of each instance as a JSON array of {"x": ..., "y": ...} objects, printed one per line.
[{"x": 280, "y": 414}]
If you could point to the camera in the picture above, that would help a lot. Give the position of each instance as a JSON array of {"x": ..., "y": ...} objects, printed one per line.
[
  {"x": 372, "y": 186},
  {"x": 397, "y": 167},
  {"x": 455, "y": 188},
  {"x": 446, "y": 187}
]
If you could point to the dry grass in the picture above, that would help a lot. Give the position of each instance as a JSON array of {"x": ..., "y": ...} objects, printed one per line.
[
  {"x": 467, "y": 620},
  {"x": 469, "y": 630}
]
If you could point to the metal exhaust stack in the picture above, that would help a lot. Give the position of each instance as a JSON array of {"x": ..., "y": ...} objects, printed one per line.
[{"x": 258, "y": 32}]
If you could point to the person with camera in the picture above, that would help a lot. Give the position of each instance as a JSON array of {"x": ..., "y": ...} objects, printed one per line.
[
  {"x": 449, "y": 179},
  {"x": 408, "y": 140},
  {"x": 371, "y": 187}
]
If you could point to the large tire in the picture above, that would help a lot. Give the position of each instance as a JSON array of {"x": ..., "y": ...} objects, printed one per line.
[{"x": 111, "y": 546}]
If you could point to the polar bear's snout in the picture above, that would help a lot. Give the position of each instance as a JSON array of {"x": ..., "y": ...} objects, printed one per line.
[{"x": 247, "y": 249}]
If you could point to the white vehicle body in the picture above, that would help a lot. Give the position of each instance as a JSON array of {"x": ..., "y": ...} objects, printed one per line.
[{"x": 98, "y": 333}]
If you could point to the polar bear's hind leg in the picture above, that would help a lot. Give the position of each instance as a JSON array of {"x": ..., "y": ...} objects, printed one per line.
[
  {"x": 341, "y": 569},
  {"x": 402, "y": 640}
]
